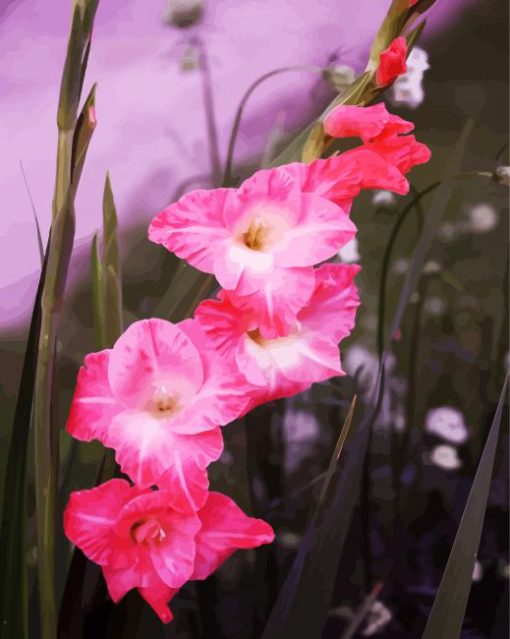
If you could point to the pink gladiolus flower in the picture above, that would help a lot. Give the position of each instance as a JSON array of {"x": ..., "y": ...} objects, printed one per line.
[
  {"x": 268, "y": 229},
  {"x": 392, "y": 62},
  {"x": 158, "y": 398},
  {"x": 308, "y": 353},
  {"x": 141, "y": 540},
  {"x": 382, "y": 133}
]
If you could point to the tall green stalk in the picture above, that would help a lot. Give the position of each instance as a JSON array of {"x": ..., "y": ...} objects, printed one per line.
[{"x": 74, "y": 134}]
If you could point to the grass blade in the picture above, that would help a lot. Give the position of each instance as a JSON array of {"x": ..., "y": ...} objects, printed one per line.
[
  {"x": 302, "y": 605},
  {"x": 34, "y": 212},
  {"x": 111, "y": 269},
  {"x": 447, "y": 614},
  {"x": 96, "y": 268},
  {"x": 13, "y": 603}
]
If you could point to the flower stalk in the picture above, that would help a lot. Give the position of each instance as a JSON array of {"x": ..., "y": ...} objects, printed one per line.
[{"x": 74, "y": 134}]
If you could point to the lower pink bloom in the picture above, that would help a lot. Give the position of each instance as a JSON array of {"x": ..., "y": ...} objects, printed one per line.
[
  {"x": 286, "y": 365},
  {"x": 158, "y": 398},
  {"x": 392, "y": 62},
  {"x": 142, "y": 541}
]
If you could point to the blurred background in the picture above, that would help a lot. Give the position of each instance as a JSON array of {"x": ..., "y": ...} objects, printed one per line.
[{"x": 171, "y": 77}]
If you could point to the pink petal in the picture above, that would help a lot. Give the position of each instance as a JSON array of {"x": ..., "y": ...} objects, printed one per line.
[
  {"x": 222, "y": 396},
  {"x": 172, "y": 554},
  {"x": 93, "y": 406},
  {"x": 273, "y": 308},
  {"x": 187, "y": 484},
  {"x": 364, "y": 122},
  {"x": 146, "y": 447},
  {"x": 402, "y": 151},
  {"x": 193, "y": 228},
  {"x": 332, "y": 308},
  {"x": 222, "y": 325},
  {"x": 225, "y": 528},
  {"x": 376, "y": 172},
  {"x": 158, "y": 596},
  {"x": 150, "y": 353},
  {"x": 322, "y": 230},
  {"x": 90, "y": 516}
]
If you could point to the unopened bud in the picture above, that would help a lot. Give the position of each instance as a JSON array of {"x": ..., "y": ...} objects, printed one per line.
[
  {"x": 183, "y": 13},
  {"x": 339, "y": 77},
  {"x": 502, "y": 175}
]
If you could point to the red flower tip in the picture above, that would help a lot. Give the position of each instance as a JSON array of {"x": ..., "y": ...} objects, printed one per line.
[{"x": 392, "y": 62}]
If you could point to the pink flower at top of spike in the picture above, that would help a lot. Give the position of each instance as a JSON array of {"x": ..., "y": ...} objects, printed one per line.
[
  {"x": 158, "y": 398},
  {"x": 392, "y": 62},
  {"x": 287, "y": 365},
  {"x": 268, "y": 228},
  {"x": 382, "y": 133},
  {"x": 141, "y": 541}
]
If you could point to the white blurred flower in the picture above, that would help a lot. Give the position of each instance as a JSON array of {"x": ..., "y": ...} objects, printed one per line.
[
  {"x": 301, "y": 429},
  {"x": 384, "y": 198},
  {"x": 360, "y": 360},
  {"x": 502, "y": 175},
  {"x": 504, "y": 569},
  {"x": 408, "y": 88},
  {"x": 183, "y": 13},
  {"x": 477, "y": 571},
  {"x": 447, "y": 232},
  {"x": 339, "y": 76},
  {"x": 448, "y": 423},
  {"x": 401, "y": 266},
  {"x": 378, "y": 617},
  {"x": 435, "y": 306},
  {"x": 289, "y": 539},
  {"x": 432, "y": 267},
  {"x": 482, "y": 218},
  {"x": 445, "y": 457},
  {"x": 350, "y": 252}
]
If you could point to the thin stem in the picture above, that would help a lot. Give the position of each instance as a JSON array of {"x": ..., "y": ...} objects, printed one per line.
[
  {"x": 34, "y": 213},
  {"x": 227, "y": 177},
  {"x": 413, "y": 204},
  {"x": 210, "y": 118}
]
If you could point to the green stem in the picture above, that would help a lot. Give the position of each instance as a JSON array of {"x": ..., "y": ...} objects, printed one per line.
[
  {"x": 413, "y": 204},
  {"x": 227, "y": 177}
]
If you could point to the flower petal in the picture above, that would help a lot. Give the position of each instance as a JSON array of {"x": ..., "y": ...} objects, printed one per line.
[
  {"x": 225, "y": 528},
  {"x": 93, "y": 406},
  {"x": 331, "y": 310},
  {"x": 366, "y": 123},
  {"x": 91, "y": 514},
  {"x": 193, "y": 227},
  {"x": 146, "y": 447},
  {"x": 149, "y": 353}
]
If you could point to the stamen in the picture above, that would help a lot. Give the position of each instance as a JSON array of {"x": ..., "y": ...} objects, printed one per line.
[{"x": 257, "y": 236}]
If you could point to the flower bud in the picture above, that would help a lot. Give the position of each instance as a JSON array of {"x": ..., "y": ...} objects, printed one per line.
[
  {"x": 502, "y": 175},
  {"x": 339, "y": 77},
  {"x": 183, "y": 13}
]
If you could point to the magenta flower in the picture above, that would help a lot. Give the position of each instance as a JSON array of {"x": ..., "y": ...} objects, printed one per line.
[
  {"x": 268, "y": 229},
  {"x": 308, "y": 353},
  {"x": 142, "y": 540},
  {"x": 158, "y": 398},
  {"x": 392, "y": 62}
]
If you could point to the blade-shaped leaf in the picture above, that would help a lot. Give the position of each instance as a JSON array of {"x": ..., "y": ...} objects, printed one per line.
[
  {"x": 302, "y": 605},
  {"x": 34, "y": 213},
  {"x": 85, "y": 127},
  {"x": 13, "y": 602},
  {"x": 447, "y": 614},
  {"x": 96, "y": 269},
  {"x": 112, "y": 283}
]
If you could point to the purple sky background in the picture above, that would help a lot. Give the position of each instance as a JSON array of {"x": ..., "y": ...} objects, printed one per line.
[{"x": 151, "y": 129}]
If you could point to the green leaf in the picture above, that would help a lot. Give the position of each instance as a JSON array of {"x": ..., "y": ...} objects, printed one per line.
[
  {"x": 85, "y": 127},
  {"x": 13, "y": 577},
  {"x": 302, "y": 606},
  {"x": 34, "y": 213},
  {"x": 112, "y": 282},
  {"x": 447, "y": 614},
  {"x": 96, "y": 269}
]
